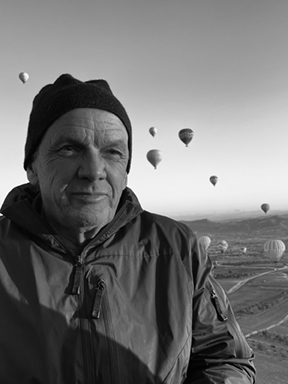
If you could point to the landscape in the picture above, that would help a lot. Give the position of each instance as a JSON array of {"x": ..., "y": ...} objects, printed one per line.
[{"x": 256, "y": 285}]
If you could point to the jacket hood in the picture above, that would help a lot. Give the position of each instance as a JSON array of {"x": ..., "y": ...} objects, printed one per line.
[
  {"x": 19, "y": 193},
  {"x": 23, "y": 206}
]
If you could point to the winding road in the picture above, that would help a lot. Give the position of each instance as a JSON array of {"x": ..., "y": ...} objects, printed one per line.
[
  {"x": 242, "y": 282},
  {"x": 259, "y": 322}
]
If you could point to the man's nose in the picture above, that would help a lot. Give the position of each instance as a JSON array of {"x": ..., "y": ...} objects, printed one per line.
[{"x": 92, "y": 166}]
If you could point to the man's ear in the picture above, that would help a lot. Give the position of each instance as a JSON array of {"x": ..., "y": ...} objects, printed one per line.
[{"x": 32, "y": 175}]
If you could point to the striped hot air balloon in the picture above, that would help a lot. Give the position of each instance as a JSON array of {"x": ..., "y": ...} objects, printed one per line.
[
  {"x": 274, "y": 249},
  {"x": 186, "y": 135}
]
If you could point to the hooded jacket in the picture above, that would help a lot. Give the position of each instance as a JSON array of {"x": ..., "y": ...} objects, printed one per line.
[{"x": 138, "y": 305}]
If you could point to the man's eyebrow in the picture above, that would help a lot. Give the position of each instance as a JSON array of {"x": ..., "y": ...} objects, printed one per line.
[
  {"x": 118, "y": 142},
  {"x": 75, "y": 141},
  {"x": 66, "y": 140}
]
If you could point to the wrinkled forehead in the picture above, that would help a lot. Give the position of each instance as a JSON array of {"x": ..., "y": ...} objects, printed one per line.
[{"x": 84, "y": 123}]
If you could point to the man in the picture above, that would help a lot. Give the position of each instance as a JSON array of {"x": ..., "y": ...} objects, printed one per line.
[{"x": 93, "y": 288}]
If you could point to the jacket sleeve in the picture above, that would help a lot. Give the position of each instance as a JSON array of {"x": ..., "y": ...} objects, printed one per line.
[{"x": 220, "y": 353}]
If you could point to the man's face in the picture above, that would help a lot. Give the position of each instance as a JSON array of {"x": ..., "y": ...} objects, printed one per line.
[{"x": 80, "y": 167}]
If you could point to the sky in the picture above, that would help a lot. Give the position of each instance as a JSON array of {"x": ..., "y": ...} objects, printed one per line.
[{"x": 219, "y": 67}]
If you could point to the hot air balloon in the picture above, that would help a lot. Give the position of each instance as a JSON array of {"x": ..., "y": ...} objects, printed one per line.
[
  {"x": 222, "y": 246},
  {"x": 265, "y": 207},
  {"x": 154, "y": 156},
  {"x": 186, "y": 135},
  {"x": 153, "y": 131},
  {"x": 213, "y": 180},
  {"x": 23, "y": 76},
  {"x": 205, "y": 241},
  {"x": 239, "y": 250},
  {"x": 274, "y": 249}
]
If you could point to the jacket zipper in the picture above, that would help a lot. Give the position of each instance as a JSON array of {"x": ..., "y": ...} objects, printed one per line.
[
  {"x": 215, "y": 301},
  {"x": 76, "y": 288},
  {"x": 109, "y": 331},
  {"x": 100, "y": 289},
  {"x": 101, "y": 309}
]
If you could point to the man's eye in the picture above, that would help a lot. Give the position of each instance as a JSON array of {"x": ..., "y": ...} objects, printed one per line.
[
  {"x": 114, "y": 152},
  {"x": 67, "y": 150}
]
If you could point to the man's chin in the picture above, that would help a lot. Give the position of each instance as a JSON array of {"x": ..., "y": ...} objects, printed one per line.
[{"x": 87, "y": 220}]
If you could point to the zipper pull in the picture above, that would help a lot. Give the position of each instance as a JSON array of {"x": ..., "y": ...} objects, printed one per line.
[
  {"x": 100, "y": 289},
  {"x": 216, "y": 303},
  {"x": 76, "y": 289}
]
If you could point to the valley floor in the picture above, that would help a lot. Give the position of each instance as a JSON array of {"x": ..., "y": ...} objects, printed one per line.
[{"x": 258, "y": 293}]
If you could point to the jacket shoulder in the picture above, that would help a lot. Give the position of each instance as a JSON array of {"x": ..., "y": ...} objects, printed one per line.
[
  {"x": 166, "y": 235},
  {"x": 167, "y": 223}
]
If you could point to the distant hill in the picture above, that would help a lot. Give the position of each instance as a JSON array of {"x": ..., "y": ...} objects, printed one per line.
[
  {"x": 261, "y": 227},
  {"x": 230, "y": 215}
]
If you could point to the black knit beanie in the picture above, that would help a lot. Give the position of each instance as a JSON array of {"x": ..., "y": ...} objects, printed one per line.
[{"x": 64, "y": 95}]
